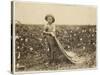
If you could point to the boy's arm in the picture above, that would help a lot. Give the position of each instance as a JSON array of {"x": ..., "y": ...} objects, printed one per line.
[
  {"x": 45, "y": 30},
  {"x": 49, "y": 33},
  {"x": 52, "y": 33}
]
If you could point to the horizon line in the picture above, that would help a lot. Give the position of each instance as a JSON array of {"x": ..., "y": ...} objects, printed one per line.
[{"x": 55, "y": 24}]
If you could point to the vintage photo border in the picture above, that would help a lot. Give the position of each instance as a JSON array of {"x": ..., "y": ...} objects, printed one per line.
[{"x": 13, "y": 40}]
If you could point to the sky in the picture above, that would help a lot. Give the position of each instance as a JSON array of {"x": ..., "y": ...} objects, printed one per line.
[{"x": 34, "y": 13}]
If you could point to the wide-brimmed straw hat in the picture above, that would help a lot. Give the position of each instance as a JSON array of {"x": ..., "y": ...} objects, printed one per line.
[{"x": 49, "y": 15}]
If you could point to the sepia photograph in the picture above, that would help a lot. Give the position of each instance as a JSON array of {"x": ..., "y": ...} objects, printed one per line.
[{"x": 52, "y": 37}]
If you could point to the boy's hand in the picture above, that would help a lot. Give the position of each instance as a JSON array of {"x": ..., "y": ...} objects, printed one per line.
[
  {"x": 52, "y": 34},
  {"x": 48, "y": 33},
  {"x": 44, "y": 32}
]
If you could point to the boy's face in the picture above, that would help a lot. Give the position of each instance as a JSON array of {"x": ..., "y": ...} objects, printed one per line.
[{"x": 49, "y": 20}]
